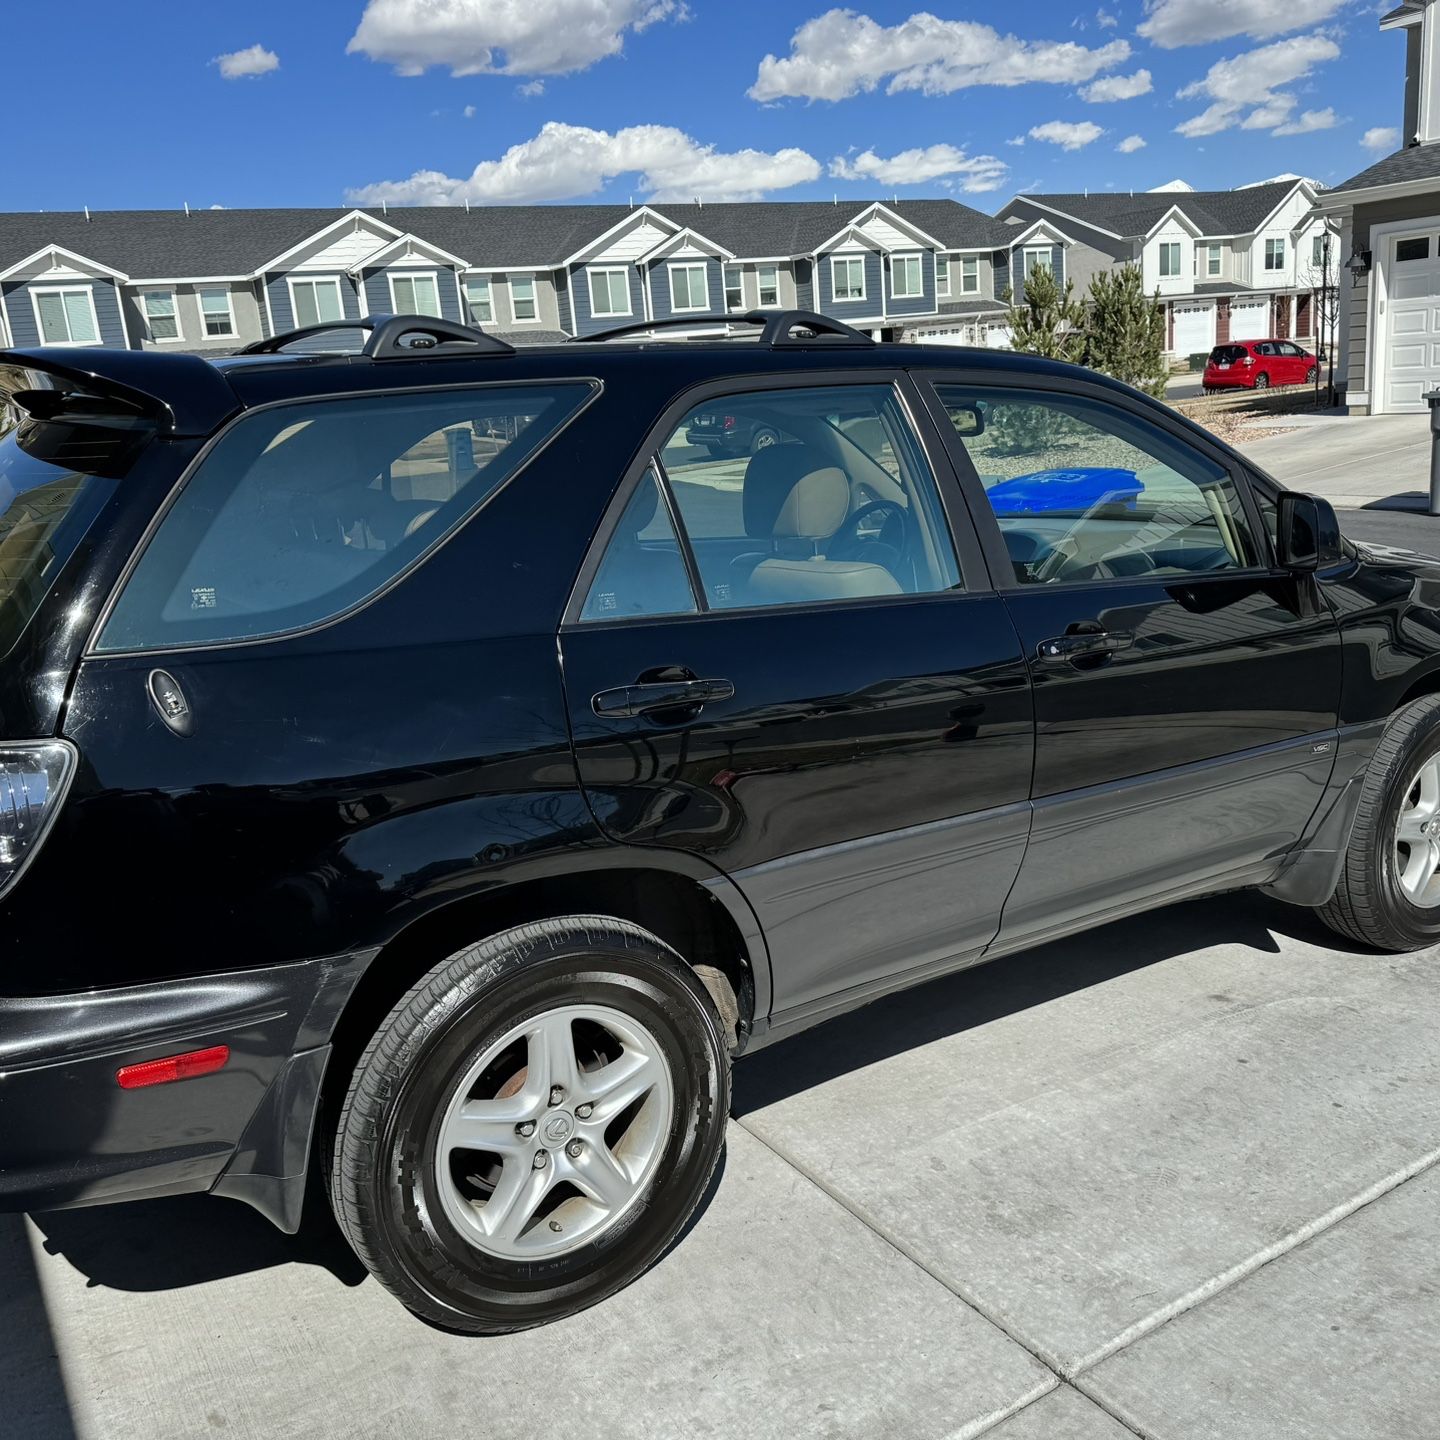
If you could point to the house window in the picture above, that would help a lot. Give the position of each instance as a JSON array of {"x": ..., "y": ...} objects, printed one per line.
[
  {"x": 523, "y": 309},
  {"x": 1038, "y": 257},
  {"x": 942, "y": 275},
  {"x": 414, "y": 295},
  {"x": 1274, "y": 254},
  {"x": 609, "y": 293},
  {"x": 970, "y": 277},
  {"x": 217, "y": 313},
  {"x": 907, "y": 277},
  {"x": 160, "y": 315},
  {"x": 1212, "y": 259},
  {"x": 1319, "y": 250},
  {"x": 847, "y": 277},
  {"x": 316, "y": 302},
  {"x": 689, "y": 289},
  {"x": 477, "y": 300},
  {"x": 734, "y": 289},
  {"x": 1169, "y": 259},
  {"x": 66, "y": 317},
  {"x": 769, "y": 278}
]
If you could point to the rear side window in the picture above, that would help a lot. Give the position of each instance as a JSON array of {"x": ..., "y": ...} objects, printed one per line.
[{"x": 303, "y": 511}]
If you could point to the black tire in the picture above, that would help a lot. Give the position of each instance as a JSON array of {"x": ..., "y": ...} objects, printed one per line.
[
  {"x": 383, "y": 1186},
  {"x": 763, "y": 439},
  {"x": 1262, "y": 381},
  {"x": 1369, "y": 905},
  {"x": 1311, "y": 374}
]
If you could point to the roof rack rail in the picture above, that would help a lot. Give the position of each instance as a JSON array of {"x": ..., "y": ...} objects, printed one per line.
[
  {"x": 394, "y": 337},
  {"x": 777, "y": 328}
]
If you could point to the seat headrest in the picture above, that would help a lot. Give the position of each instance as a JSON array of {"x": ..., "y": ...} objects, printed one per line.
[
  {"x": 641, "y": 510},
  {"x": 790, "y": 492}
]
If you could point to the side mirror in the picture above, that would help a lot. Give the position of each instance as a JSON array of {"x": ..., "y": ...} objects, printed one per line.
[
  {"x": 1308, "y": 534},
  {"x": 967, "y": 419}
]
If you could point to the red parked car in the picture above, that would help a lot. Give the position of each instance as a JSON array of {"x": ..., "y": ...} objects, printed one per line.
[{"x": 1258, "y": 364}]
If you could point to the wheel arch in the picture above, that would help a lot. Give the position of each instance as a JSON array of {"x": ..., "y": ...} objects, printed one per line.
[{"x": 1427, "y": 683}]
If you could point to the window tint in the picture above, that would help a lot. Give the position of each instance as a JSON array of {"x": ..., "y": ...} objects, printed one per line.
[
  {"x": 643, "y": 572},
  {"x": 302, "y": 511},
  {"x": 1228, "y": 354},
  {"x": 1082, "y": 491},
  {"x": 833, "y": 500}
]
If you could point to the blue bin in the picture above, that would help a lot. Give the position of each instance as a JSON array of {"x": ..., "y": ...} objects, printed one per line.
[{"x": 1065, "y": 490}]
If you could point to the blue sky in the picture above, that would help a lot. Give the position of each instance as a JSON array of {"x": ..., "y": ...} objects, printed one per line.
[{"x": 327, "y": 101}]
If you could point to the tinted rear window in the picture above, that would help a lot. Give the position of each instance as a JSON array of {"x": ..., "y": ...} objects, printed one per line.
[
  {"x": 1228, "y": 354},
  {"x": 301, "y": 512}
]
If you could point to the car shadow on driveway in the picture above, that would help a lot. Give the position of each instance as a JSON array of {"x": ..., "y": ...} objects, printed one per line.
[{"x": 31, "y": 1381}]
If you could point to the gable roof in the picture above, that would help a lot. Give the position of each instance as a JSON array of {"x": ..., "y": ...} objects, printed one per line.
[{"x": 1214, "y": 212}]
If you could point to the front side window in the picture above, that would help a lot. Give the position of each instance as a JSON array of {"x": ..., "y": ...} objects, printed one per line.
[
  {"x": 523, "y": 309},
  {"x": 415, "y": 295},
  {"x": 970, "y": 276},
  {"x": 1274, "y": 254},
  {"x": 688, "y": 287},
  {"x": 734, "y": 288},
  {"x": 942, "y": 274},
  {"x": 477, "y": 300},
  {"x": 769, "y": 278},
  {"x": 160, "y": 314},
  {"x": 847, "y": 277},
  {"x": 1083, "y": 491},
  {"x": 300, "y": 512},
  {"x": 835, "y": 501},
  {"x": 907, "y": 277},
  {"x": 609, "y": 293},
  {"x": 217, "y": 313},
  {"x": 66, "y": 317},
  {"x": 316, "y": 302},
  {"x": 1169, "y": 258}
]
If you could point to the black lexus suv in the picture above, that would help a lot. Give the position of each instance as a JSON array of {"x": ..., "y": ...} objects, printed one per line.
[{"x": 421, "y": 764}]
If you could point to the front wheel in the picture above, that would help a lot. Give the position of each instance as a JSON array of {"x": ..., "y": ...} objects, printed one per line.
[
  {"x": 1389, "y": 890},
  {"x": 532, "y": 1125}
]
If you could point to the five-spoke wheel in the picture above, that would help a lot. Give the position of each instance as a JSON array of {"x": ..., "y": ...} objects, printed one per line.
[{"x": 1417, "y": 836}]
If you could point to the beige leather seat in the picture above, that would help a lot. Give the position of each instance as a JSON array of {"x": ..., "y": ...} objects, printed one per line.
[{"x": 796, "y": 500}]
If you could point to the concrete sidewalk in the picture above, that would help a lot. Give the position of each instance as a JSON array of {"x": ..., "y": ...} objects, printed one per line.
[
  {"x": 1355, "y": 462},
  {"x": 1171, "y": 1179}
]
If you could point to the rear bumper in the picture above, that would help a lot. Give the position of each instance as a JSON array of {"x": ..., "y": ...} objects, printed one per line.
[
  {"x": 69, "y": 1135},
  {"x": 1227, "y": 380}
]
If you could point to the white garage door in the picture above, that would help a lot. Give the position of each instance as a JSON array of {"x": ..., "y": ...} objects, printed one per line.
[
  {"x": 1194, "y": 329},
  {"x": 1412, "y": 323},
  {"x": 1249, "y": 319}
]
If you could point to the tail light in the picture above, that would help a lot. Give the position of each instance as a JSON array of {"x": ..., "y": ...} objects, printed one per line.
[
  {"x": 1248, "y": 360},
  {"x": 728, "y": 423},
  {"x": 33, "y": 779}
]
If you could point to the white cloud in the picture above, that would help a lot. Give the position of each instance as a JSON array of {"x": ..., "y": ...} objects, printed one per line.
[
  {"x": 1381, "y": 138},
  {"x": 530, "y": 89},
  {"x": 1016, "y": 140},
  {"x": 1325, "y": 119},
  {"x": 566, "y": 162},
  {"x": 1245, "y": 89},
  {"x": 1067, "y": 134},
  {"x": 1130, "y": 144},
  {"x": 502, "y": 37},
  {"x": 1172, "y": 23},
  {"x": 468, "y": 112},
  {"x": 247, "y": 64},
  {"x": 1118, "y": 87},
  {"x": 1105, "y": 20},
  {"x": 842, "y": 53},
  {"x": 974, "y": 173}
]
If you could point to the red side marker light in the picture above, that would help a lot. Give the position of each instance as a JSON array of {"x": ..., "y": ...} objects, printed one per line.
[{"x": 173, "y": 1067}]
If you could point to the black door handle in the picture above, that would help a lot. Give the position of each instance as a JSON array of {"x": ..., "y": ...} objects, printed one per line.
[
  {"x": 1083, "y": 645},
  {"x": 627, "y": 701}
]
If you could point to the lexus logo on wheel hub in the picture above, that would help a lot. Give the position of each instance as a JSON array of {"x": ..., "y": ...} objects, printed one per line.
[{"x": 558, "y": 1128}]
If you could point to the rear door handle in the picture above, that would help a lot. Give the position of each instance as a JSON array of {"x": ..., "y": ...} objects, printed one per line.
[
  {"x": 1083, "y": 645},
  {"x": 627, "y": 701}
]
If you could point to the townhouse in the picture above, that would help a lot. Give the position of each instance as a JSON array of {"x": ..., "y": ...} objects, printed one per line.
[
  {"x": 217, "y": 279},
  {"x": 1227, "y": 264}
]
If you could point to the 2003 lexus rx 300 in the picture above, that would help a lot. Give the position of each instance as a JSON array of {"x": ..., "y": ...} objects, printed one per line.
[{"x": 425, "y": 764}]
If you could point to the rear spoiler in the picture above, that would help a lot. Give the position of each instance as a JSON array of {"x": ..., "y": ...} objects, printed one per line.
[{"x": 183, "y": 394}]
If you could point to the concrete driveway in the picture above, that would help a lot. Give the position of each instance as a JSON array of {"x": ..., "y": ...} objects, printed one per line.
[{"x": 1174, "y": 1179}]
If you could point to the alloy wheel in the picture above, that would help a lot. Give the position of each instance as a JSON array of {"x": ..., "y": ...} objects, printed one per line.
[{"x": 1417, "y": 837}]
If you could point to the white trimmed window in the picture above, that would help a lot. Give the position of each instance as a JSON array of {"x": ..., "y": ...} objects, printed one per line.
[
  {"x": 1212, "y": 260},
  {"x": 1318, "y": 247},
  {"x": 414, "y": 295},
  {"x": 217, "y": 314},
  {"x": 734, "y": 288},
  {"x": 907, "y": 277},
  {"x": 66, "y": 317},
  {"x": 160, "y": 316},
  {"x": 1169, "y": 259},
  {"x": 942, "y": 275},
  {"x": 1039, "y": 257},
  {"x": 1274, "y": 254},
  {"x": 769, "y": 278},
  {"x": 477, "y": 300},
  {"x": 970, "y": 276},
  {"x": 609, "y": 292},
  {"x": 523, "y": 309},
  {"x": 689, "y": 289},
  {"x": 316, "y": 302},
  {"x": 847, "y": 277}
]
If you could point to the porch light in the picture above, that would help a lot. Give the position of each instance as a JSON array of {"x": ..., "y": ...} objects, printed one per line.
[{"x": 1358, "y": 265}]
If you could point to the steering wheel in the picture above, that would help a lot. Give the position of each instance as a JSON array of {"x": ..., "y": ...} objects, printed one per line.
[{"x": 888, "y": 548}]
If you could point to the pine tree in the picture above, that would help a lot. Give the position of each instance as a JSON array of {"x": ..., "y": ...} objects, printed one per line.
[
  {"x": 1126, "y": 331},
  {"x": 1046, "y": 320}
]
